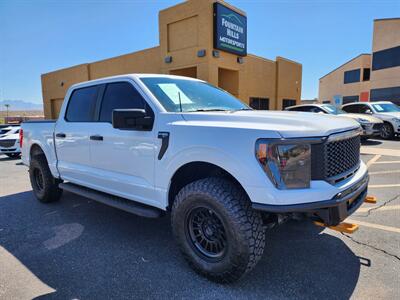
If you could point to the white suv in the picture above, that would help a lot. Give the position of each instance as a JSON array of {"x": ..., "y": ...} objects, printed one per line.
[
  {"x": 9, "y": 141},
  {"x": 388, "y": 112}
]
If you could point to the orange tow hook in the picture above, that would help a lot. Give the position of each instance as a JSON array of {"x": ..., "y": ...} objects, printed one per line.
[
  {"x": 370, "y": 199},
  {"x": 342, "y": 227}
]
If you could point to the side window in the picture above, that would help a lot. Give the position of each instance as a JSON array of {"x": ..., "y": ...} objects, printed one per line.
[
  {"x": 301, "y": 108},
  {"x": 317, "y": 110},
  {"x": 82, "y": 104},
  {"x": 363, "y": 109},
  {"x": 351, "y": 108},
  {"x": 120, "y": 95},
  {"x": 295, "y": 109}
]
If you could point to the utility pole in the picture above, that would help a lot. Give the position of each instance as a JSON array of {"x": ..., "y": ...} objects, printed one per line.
[{"x": 7, "y": 106}]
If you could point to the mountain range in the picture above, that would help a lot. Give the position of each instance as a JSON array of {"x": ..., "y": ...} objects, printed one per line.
[{"x": 20, "y": 105}]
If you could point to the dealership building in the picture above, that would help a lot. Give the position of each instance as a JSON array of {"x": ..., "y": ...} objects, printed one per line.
[
  {"x": 368, "y": 77},
  {"x": 204, "y": 39}
]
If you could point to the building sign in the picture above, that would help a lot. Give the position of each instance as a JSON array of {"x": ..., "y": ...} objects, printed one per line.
[
  {"x": 230, "y": 30},
  {"x": 337, "y": 100}
]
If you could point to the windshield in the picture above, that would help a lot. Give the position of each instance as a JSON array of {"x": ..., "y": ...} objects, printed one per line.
[
  {"x": 386, "y": 107},
  {"x": 333, "y": 109},
  {"x": 177, "y": 95}
]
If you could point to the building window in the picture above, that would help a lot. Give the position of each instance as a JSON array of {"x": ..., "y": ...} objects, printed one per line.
[
  {"x": 350, "y": 99},
  {"x": 387, "y": 58},
  {"x": 352, "y": 76},
  {"x": 386, "y": 94},
  {"x": 288, "y": 102},
  {"x": 259, "y": 103},
  {"x": 326, "y": 101},
  {"x": 366, "y": 74}
]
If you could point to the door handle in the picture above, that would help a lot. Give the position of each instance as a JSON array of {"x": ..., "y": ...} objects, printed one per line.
[
  {"x": 96, "y": 137},
  {"x": 61, "y": 135}
]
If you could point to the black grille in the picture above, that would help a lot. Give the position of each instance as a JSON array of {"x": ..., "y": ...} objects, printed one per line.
[
  {"x": 7, "y": 143},
  {"x": 330, "y": 159},
  {"x": 378, "y": 126},
  {"x": 342, "y": 156}
]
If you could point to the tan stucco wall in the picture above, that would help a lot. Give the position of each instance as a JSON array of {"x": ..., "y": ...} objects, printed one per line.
[
  {"x": 288, "y": 78},
  {"x": 386, "y": 35},
  {"x": 184, "y": 29},
  {"x": 332, "y": 83}
]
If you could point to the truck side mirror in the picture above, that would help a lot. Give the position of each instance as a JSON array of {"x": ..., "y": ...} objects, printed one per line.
[
  {"x": 132, "y": 119},
  {"x": 368, "y": 111}
]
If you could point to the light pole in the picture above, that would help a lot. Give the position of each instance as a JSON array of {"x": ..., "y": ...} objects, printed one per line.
[{"x": 7, "y": 106}]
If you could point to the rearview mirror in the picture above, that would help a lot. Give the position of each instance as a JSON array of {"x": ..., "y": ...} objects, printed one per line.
[
  {"x": 368, "y": 111},
  {"x": 134, "y": 119}
]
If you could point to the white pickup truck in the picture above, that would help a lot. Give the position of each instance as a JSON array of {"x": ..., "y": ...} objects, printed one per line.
[{"x": 153, "y": 144}]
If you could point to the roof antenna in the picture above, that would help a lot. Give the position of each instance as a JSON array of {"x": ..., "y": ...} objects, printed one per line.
[{"x": 180, "y": 101}]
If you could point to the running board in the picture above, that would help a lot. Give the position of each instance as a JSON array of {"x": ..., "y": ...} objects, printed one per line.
[{"x": 114, "y": 201}]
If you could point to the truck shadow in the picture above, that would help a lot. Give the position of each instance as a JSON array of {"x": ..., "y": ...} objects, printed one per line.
[{"x": 83, "y": 249}]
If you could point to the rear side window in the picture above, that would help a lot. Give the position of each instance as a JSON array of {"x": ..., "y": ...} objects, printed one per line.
[
  {"x": 301, "y": 108},
  {"x": 82, "y": 104},
  {"x": 120, "y": 95},
  {"x": 352, "y": 108}
]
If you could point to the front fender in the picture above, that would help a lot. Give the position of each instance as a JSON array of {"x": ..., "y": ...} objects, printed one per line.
[{"x": 245, "y": 170}]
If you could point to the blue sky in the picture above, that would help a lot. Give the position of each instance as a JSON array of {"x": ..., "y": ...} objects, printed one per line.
[{"x": 41, "y": 36}]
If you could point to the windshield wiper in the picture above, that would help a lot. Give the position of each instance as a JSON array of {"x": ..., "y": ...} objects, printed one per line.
[
  {"x": 211, "y": 109},
  {"x": 240, "y": 109}
]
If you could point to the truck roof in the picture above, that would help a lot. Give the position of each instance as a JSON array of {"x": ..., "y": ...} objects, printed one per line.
[{"x": 131, "y": 76}]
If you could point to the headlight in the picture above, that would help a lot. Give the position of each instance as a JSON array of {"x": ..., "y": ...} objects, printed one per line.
[
  {"x": 287, "y": 165},
  {"x": 362, "y": 121},
  {"x": 397, "y": 120}
]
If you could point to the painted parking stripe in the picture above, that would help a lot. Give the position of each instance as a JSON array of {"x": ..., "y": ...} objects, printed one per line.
[
  {"x": 388, "y": 162},
  {"x": 375, "y": 226},
  {"x": 383, "y": 185},
  {"x": 383, "y": 208},
  {"x": 381, "y": 151},
  {"x": 384, "y": 172},
  {"x": 373, "y": 160}
]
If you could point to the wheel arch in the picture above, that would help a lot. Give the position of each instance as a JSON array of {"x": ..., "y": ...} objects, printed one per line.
[{"x": 196, "y": 170}]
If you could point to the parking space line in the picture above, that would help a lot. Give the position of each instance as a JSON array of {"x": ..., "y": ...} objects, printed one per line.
[
  {"x": 388, "y": 162},
  {"x": 381, "y": 151},
  {"x": 373, "y": 160},
  {"x": 384, "y": 172},
  {"x": 383, "y": 185},
  {"x": 375, "y": 226},
  {"x": 386, "y": 208}
]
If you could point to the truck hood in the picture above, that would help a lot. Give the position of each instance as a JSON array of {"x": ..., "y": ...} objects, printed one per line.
[
  {"x": 361, "y": 116},
  {"x": 288, "y": 124}
]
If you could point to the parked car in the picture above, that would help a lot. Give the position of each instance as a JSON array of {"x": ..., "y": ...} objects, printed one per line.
[
  {"x": 388, "y": 112},
  {"x": 151, "y": 144},
  {"x": 371, "y": 126},
  {"x": 9, "y": 141}
]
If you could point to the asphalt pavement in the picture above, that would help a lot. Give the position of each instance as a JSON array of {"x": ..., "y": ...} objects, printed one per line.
[{"x": 80, "y": 249}]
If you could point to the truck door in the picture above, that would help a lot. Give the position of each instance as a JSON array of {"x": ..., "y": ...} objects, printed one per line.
[
  {"x": 123, "y": 160},
  {"x": 71, "y": 135}
]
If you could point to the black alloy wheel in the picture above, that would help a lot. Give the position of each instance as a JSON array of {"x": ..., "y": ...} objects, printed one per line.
[{"x": 206, "y": 233}]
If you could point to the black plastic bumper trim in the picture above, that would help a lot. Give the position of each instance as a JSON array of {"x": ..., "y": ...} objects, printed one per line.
[{"x": 350, "y": 193}]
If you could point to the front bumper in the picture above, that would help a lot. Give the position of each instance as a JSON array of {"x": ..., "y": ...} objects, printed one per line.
[
  {"x": 371, "y": 129},
  {"x": 331, "y": 212},
  {"x": 10, "y": 150}
]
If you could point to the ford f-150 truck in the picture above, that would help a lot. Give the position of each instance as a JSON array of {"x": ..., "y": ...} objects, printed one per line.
[{"x": 159, "y": 144}]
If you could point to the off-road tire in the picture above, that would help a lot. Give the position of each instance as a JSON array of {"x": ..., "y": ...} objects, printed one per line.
[
  {"x": 47, "y": 191},
  {"x": 387, "y": 131},
  {"x": 245, "y": 232}
]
